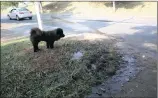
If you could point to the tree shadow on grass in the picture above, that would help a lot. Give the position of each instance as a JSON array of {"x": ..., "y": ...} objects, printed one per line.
[
  {"x": 125, "y": 4},
  {"x": 58, "y": 6}
]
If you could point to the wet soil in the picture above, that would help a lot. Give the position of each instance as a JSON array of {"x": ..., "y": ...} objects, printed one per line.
[{"x": 135, "y": 78}]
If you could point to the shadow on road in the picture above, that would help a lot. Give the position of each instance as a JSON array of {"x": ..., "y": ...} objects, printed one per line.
[
  {"x": 143, "y": 40},
  {"x": 148, "y": 33}
]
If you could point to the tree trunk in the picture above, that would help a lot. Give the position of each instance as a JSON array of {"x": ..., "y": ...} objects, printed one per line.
[
  {"x": 37, "y": 7},
  {"x": 41, "y": 7},
  {"x": 114, "y": 6}
]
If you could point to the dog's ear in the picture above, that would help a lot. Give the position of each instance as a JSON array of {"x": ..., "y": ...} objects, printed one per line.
[{"x": 60, "y": 32}]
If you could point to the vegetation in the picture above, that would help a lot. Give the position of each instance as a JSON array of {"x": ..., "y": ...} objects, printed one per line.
[
  {"x": 5, "y": 4},
  {"x": 97, "y": 9},
  {"x": 92, "y": 8},
  {"x": 53, "y": 72}
]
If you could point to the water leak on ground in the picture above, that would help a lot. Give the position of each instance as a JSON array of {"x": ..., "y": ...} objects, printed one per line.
[
  {"x": 112, "y": 85},
  {"x": 77, "y": 55}
]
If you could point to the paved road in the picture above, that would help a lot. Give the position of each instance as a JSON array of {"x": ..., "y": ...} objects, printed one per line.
[{"x": 140, "y": 33}]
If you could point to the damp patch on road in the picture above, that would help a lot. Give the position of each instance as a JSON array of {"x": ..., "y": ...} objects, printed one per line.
[{"x": 127, "y": 71}]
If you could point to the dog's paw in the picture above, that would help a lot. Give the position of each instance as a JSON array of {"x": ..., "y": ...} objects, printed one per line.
[{"x": 37, "y": 50}]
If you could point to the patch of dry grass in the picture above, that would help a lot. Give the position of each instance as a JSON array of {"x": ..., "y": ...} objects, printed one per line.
[{"x": 53, "y": 72}]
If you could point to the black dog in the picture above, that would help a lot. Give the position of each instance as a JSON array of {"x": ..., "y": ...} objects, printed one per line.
[{"x": 37, "y": 35}]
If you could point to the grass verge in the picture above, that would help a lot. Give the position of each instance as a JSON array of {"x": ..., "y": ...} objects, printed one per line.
[
  {"x": 98, "y": 9},
  {"x": 53, "y": 73}
]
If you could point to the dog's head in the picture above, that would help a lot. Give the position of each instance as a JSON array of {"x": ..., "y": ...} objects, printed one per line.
[{"x": 60, "y": 32}]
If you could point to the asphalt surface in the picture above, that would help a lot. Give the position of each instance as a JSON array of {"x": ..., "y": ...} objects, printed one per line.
[{"x": 138, "y": 33}]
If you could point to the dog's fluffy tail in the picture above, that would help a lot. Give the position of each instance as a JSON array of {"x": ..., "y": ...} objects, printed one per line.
[{"x": 35, "y": 31}]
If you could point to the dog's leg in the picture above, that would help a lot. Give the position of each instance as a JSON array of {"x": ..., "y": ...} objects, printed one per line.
[
  {"x": 48, "y": 46},
  {"x": 52, "y": 45},
  {"x": 35, "y": 46}
]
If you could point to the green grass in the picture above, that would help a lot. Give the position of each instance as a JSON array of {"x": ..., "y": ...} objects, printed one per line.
[{"x": 53, "y": 73}]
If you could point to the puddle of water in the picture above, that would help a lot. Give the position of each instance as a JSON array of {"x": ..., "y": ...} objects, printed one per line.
[
  {"x": 77, "y": 55},
  {"x": 123, "y": 75}
]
